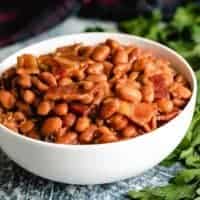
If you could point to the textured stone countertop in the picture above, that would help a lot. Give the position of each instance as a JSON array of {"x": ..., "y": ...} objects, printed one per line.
[{"x": 18, "y": 184}]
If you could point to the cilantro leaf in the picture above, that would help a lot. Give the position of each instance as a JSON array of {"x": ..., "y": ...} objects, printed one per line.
[{"x": 168, "y": 192}]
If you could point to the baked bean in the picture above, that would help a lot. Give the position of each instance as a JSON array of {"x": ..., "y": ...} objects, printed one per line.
[
  {"x": 179, "y": 102},
  {"x": 134, "y": 55},
  {"x": 26, "y": 126},
  {"x": 33, "y": 134},
  {"x": 113, "y": 44},
  {"x": 44, "y": 108},
  {"x": 19, "y": 116},
  {"x": 39, "y": 84},
  {"x": 142, "y": 113},
  {"x": 9, "y": 73},
  {"x": 133, "y": 76},
  {"x": 106, "y": 135},
  {"x": 68, "y": 138},
  {"x": 79, "y": 109},
  {"x": 96, "y": 78},
  {"x": 51, "y": 125},
  {"x": 165, "y": 105},
  {"x": 129, "y": 93},
  {"x": 29, "y": 96},
  {"x": 66, "y": 62},
  {"x": 82, "y": 124},
  {"x": 168, "y": 116},
  {"x": 87, "y": 99},
  {"x": 107, "y": 67},
  {"x": 121, "y": 68},
  {"x": 139, "y": 64},
  {"x": 79, "y": 75},
  {"x": 69, "y": 120},
  {"x": 148, "y": 93},
  {"x": 118, "y": 122},
  {"x": 61, "y": 131},
  {"x": 129, "y": 131},
  {"x": 11, "y": 125},
  {"x": 136, "y": 84},
  {"x": 24, "y": 81},
  {"x": 180, "y": 91},
  {"x": 101, "y": 53},
  {"x": 180, "y": 79},
  {"x": 120, "y": 57},
  {"x": 109, "y": 107},
  {"x": 125, "y": 108},
  {"x": 87, "y": 135},
  {"x": 24, "y": 107},
  {"x": 7, "y": 100},
  {"x": 85, "y": 51},
  {"x": 129, "y": 49},
  {"x": 96, "y": 68},
  {"x": 87, "y": 85},
  {"x": 61, "y": 109},
  {"x": 48, "y": 78},
  {"x": 65, "y": 81}
]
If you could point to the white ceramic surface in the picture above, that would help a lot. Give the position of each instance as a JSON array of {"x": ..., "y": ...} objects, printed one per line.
[{"x": 102, "y": 163}]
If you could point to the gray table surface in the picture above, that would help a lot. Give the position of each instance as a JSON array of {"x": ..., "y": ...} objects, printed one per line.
[{"x": 18, "y": 184}]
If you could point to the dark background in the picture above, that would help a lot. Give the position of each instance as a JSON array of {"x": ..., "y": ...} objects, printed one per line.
[{"x": 20, "y": 19}]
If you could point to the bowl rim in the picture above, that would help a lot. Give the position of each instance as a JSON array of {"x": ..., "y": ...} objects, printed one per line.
[{"x": 116, "y": 144}]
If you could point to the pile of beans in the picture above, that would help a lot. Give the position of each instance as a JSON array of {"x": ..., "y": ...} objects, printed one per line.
[{"x": 90, "y": 94}]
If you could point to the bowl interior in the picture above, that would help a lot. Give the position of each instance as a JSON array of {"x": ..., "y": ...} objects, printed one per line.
[{"x": 93, "y": 38}]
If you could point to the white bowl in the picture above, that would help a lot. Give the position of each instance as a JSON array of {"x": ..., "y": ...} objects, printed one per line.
[{"x": 101, "y": 163}]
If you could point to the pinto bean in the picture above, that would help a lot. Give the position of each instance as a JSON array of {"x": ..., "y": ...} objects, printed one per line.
[
  {"x": 24, "y": 107},
  {"x": 82, "y": 124},
  {"x": 7, "y": 100},
  {"x": 96, "y": 68},
  {"x": 65, "y": 81},
  {"x": 106, "y": 135},
  {"x": 133, "y": 76},
  {"x": 24, "y": 81},
  {"x": 85, "y": 51},
  {"x": 88, "y": 135},
  {"x": 51, "y": 125},
  {"x": 26, "y": 126},
  {"x": 61, "y": 109},
  {"x": 118, "y": 121},
  {"x": 69, "y": 120},
  {"x": 48, "y": 78},
  {"x": 44, "y": 108},
  {"x": 19, "y": 116},
  {"x": 121, "y": 68},
  {"x": 33, "y": 134},
  {"x": 101, "y": 53},
  {"x": 113, "y": 44},
  {"x": 109, "y": 107},
  {"x": 120, "y": 57},
  {"x": 39, "y": 84},
  {"x": 68, "y": 138},
  {"x": 165, "y": 105},
  {"x": 180, "y": 91},
  {"x": 129, "y": 93},
  {"x": 11, "y": 125},
  {"x": 129, "y": 131},
  {"x": 29, "y": 96},
  {"x": 148, "y": 93}
]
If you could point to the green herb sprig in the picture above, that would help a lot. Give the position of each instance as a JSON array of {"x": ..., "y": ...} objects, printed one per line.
[{"x": 182, "y": 33}]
